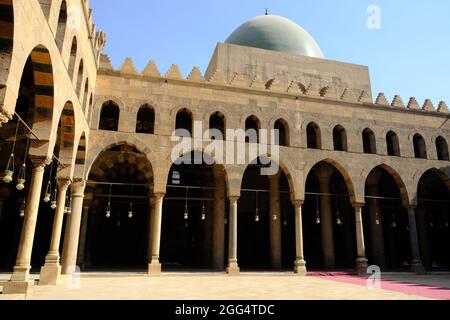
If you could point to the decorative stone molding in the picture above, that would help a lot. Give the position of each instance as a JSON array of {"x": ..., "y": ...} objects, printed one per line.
[
  {"x": 239, "y": 80},
  {"x": 274, "y": 85},
  {"x": 397, "y": 102},
  {"x": 413, "y": 104},
  {"x": 364, "y": 97},
  {"x": 381, "y": 100},
  {"x": 196, "y": 75},
  {"x": 174, "y": 73},
  {"x": 151, "y": 70},
  {"x": 128, "y": 67},
  {"x": 218, "y": 77}
]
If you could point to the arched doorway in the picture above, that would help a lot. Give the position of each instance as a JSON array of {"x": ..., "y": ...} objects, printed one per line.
[
  {"x": 193, "y": 223},
  {"x": 433, "y": 218},
  {"x": 328, "y": 220},
  {"x": 118, "y": 202},
  {"x": 266, "y": 229},
  {"x": 386, "y": 220}
]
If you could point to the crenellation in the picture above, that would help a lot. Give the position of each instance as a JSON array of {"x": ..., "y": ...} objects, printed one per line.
[
  {"x": 413, "y": 104},
  {"x": 128, "y": 67},
  {"x": 397, "y": 102},
  {"x": 196, "y": 75},
  {"x": 381, "y": 100},
  {"x": 443, "y": 107},
  {"x": 174, "y": 73},
  {"x": 428, "y": 106},
  {"x": 151, "y": 70}
]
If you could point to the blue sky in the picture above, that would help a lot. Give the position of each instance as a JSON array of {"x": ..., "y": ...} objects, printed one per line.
[{"x": 409, "y": 55}]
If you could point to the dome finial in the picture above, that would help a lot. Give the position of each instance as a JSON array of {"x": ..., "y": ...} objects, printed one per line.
[{"x": 267, "y": 12}]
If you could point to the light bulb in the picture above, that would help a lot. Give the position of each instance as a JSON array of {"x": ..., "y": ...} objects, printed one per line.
[
  {"x": 22, "y": 209},
  {"x": 339, "y": 222},
  {"x": 257, "y": 218},
  {"x": 226, "y": 221},
  {"x": 394, "y": 224},
  {"x": 47, "y": 197},
  {"x": 186, "y": 213},
  {"x": 377, "y": 222},
  {"x": 108, "y": 214},
  {"x": 275, "y": 217},
  {"x": 53, "y": 205},
  {"x": 130, "y": 215},
  {"x": 285, "y": 223},
  {"x": 8, "y": 176},
  {"x": 203, "y": 217}
]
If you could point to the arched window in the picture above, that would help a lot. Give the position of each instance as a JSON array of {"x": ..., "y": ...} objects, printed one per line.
[
  {"x": 217, "y": 121},
  {"x": 442, "y": 149},
  {"x": 340, "y": 138},
  {"x": 313, "y": 135},
  {"x": 184, "y": 120},
  {"x": 369, "y": 142},
  {"x": 145, "y": 120},
  {"x": 252, "y": 126},
  {"x": 393, "y": 146},
  {"x": 109, "y": 116},
  {"x": 61, "y": 28},
  {"x": 283, "y": 132},
  {"x": 420, "y": 149},
  {"x": 72, "y": 59},
  {"x": 80, "y": 78}
]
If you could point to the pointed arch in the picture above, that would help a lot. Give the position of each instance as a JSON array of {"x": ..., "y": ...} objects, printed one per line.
[
  {"x": 420, "y": 148},
  {"x": 145, "y": 122},
  {"x": 340, "y": 138},
  {"x": 217, "y": 121},
  {"x": 282, "y": 127},
  {"x": 369, "y": 141},
  {"x": 313, "y": 136},
  {"x": 442, "y": 149},
  {"x": 184, "y": 120},
  {"x": 61, "y": 27},
  {"x": 72, "y": 58},
  {"x": 80, "y": 79},
  {"x": 393, "y": 145},
  {"x": 109, "y": 116}
]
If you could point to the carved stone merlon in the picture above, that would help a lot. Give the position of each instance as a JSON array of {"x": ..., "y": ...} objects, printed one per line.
[
  {"x": 151, "y": 70},
  {"x": 348, "y": 95},
  {"x": 128, "y": 67},
  {"x": 428, "y": 106},
  {"x": 196, "y": 75},
  {"x": 413, "y": 104},
  {"x": 257, "y": 83},
  {"x": 443, "y": 107},
  {"x": 381, "y": 100},
  {"x": 397, "y": 102},
  {"x": 174, "y": 73}
]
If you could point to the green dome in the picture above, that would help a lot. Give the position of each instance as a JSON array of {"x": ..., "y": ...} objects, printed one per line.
[{"x": 275, "y": 33}]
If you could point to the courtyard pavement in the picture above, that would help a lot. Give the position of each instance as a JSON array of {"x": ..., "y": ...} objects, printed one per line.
[{"x": 247, "y": 286}]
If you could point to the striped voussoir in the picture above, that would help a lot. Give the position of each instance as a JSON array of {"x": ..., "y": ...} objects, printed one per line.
[
  {"x": 81, "y": 151},
  {"x": 43, "y": 78}
]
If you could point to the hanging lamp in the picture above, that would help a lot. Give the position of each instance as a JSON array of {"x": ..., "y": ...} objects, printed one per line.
[
  {"x": 130, "y": 207},
  {"x": 203, "y": 212},
  {"x": 21, "y": 177},
  {"x": 394, "y": 222},
  {"x": 53, "y": 199},
  {"x": 318, "y": 221},
  {"x": 186, "y": 209},
  {"x": 257, "y": 208},
  {"x": 48, "y": 190},
  {"x": 22, "y": 208},
  {"x": 108, "y": 206},
  {"x": 9, "y": 171},
  {"x": 338, "y": 214},
  {"x": 377, "y": 214}
]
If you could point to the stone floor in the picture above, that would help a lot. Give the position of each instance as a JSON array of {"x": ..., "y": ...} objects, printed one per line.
[{"x": 200, "y": 286}]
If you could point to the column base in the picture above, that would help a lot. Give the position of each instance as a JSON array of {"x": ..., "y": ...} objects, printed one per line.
[
  {"x": 50, "y": 275},
  {"x": 154, "y": 269},
  {"x": 417, "y": 267},
  {"x": 233, "y": 269},
  {"x": 18, "y": 287},
  {"x": 361, "y": 266},
  {"x": 300, "y": 268}
]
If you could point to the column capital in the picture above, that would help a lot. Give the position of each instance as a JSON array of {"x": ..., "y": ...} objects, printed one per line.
[
  {"x": 298, "y": 203},
  {"x": 157, "y": 196},
  {"x": 233, "y": 199},
  {"x": 63, "y": 183},
  {"x": 40, "y": 161},
  {"x": 324, "y": 174},
  {"x": 78, "y": 188}
]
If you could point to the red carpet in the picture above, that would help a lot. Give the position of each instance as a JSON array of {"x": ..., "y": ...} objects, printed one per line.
[{"x": 390, "y": 285}]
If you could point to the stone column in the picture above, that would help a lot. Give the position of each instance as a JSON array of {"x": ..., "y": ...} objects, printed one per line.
[
  {"x": 51, "y": 271},
  {"x": 156, "y": 204},
  {"x": 83, "y": 235},
  {"x": 324, "y": 176},
  {"x": 20, "y": 279},
  {"x": 422, "y": 228},
  {"x": 376, "y": 230},
  {"x": 72, "y": 237},
  {"x": 233, "y": 267},
  {"x": 300, "y": 263},
  {"x": 218, "y": 236},
  {"x": 275, "y": 224},
  {"x": 416, "y": 263},
  {"x": 361, "y": 261}
]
